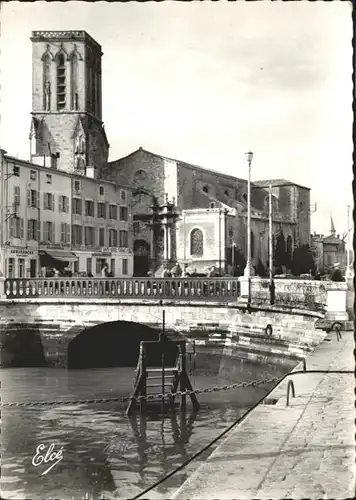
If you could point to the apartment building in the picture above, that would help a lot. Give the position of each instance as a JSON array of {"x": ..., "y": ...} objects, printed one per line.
[
  {"x": 52, "y": 219},
  {"x": 101, "y": 222}
]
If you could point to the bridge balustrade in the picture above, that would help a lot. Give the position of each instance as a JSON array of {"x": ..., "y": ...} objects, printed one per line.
[{"x": 223, "y": 289}]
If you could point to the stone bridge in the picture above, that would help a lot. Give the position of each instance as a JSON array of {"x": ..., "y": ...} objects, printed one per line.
[{"x": 72, "y": 323}]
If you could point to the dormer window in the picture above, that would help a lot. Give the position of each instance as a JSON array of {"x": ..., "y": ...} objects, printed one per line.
[
  {"x": 211, "y": 204},
  {"x": 205, "y": 189}
]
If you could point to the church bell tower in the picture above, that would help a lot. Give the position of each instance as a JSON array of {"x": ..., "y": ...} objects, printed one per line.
[{"x": 66, "y": 128}]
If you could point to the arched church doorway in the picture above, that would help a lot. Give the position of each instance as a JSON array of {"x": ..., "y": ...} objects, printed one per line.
[{"x": 141, "y": 257}]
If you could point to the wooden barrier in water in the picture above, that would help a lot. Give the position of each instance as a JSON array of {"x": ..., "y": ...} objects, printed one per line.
[{"x": 167, "y": 379}]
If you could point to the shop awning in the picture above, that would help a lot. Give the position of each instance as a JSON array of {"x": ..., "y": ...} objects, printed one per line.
[{"x": 57, "y": 259}]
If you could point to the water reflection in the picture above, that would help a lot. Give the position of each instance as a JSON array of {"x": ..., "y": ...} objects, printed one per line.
[{"x": 106, "y": 453}]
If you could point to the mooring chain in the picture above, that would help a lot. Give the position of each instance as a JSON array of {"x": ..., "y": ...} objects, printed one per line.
[{"x": 149, "y": 397}]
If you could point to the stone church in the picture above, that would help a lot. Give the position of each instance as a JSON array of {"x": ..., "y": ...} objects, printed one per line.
[
  {"x": 181, "y": 212},
  {"x": 206, "y": 213}
]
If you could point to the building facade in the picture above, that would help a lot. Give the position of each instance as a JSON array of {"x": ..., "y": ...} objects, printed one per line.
[
  {"x": 329, "y": 252},
  {"x": 101, "y": 226},
  {"x": 51, "y": 219}
]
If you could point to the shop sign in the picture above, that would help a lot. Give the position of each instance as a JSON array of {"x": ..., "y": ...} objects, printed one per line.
[
  {"x": 21, "y": 251},
  {"x": 101, "y": 254}
]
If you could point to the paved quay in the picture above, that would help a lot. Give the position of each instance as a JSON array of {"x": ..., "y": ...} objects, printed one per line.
[{"x": 305, "y": 450}]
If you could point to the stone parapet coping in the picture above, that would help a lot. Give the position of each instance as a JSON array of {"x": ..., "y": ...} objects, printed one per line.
[{"x": 162, "y": 303}]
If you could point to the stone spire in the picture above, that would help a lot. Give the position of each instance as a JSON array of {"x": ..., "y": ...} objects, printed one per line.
[{"x": 332, "y": 226}]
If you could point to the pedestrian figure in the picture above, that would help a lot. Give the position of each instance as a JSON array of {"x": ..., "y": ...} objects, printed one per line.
[
  {"x": 178, "y": 270},
  {"x": 166, "y": 272},
  {"x": 104, "y": 270},
  {"x": 213, "y": 273}
]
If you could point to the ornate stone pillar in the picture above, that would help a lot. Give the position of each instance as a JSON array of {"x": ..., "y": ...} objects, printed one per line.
[
  {"x": 169, "y": 242},
  {"x": 152, "y": 242},
  {"x": 165, "y": 246}
]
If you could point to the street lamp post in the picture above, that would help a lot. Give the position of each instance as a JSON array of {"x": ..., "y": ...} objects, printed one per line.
[
  {"x": 270, "y": 246},
  {"x": 348, "y": 269},
  {"x": 248, "y": 268}
]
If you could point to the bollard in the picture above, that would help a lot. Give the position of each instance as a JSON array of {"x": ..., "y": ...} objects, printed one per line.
[
  {"x": 290, "y": 385},
  {"x": 338, "y": 333}
]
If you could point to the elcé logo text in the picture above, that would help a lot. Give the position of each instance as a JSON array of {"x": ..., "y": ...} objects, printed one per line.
[{"x": 45, "y": 457}]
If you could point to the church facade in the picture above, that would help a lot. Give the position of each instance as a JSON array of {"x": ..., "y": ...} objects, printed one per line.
[{"x": 211, "y": 212}]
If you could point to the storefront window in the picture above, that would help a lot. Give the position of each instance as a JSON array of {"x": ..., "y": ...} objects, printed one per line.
[
  {"x": 89, "y": 266},
  {"x": 11, "y": 268},
  {"x": 99, "y": 265},
  {"x": 112, "y": 267},
  {"x": 21, "y": 268}
]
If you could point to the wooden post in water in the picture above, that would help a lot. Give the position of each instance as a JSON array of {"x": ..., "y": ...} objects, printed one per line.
[
  {"x": 143, "y": 391},
  {"x": 162, "y": 344},
  {"x": 183, "y": 368}
]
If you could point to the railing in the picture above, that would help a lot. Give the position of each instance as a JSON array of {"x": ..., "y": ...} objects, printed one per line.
[{"x": 223, "y": 289}]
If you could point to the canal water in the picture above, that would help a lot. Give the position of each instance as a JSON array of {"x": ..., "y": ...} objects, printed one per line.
[{"x": 106, "y": 454}]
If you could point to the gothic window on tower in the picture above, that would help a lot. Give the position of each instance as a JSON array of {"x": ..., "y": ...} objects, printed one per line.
[
  {"x": 290, "y": 247},
  {"x": 47, "y": 83},
  {"x": 253, "y": 245},
  {"x": 196, "y": 242},
  {"x": 61, "y": 82},
  {"x": 93, "y": 85},
  {"x": 74, "y": 83},
  {"x": 97, "y": 88}
]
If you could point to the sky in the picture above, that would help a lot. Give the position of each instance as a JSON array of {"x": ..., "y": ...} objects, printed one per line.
[{"x": 204, "y": 82}]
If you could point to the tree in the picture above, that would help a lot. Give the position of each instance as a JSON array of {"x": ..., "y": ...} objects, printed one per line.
[
  {"x": 239, "y": 260},
  {"x": 302, "y": 261},
  {"x": 280, "y": 255},
  {"x": 336, "y": 275}
]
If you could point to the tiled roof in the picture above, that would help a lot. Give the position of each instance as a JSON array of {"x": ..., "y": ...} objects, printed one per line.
[
  {"x": 276, "y": 183},
  {"x": 333, "y": 240},
  {"x": 183, "y": 163}
]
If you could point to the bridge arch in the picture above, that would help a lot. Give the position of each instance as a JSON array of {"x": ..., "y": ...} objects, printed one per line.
[{"x": 111, "y": 344}]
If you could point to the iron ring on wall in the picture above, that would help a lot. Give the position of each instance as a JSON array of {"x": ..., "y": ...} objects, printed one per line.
[{"x": 269, "y": 330}]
